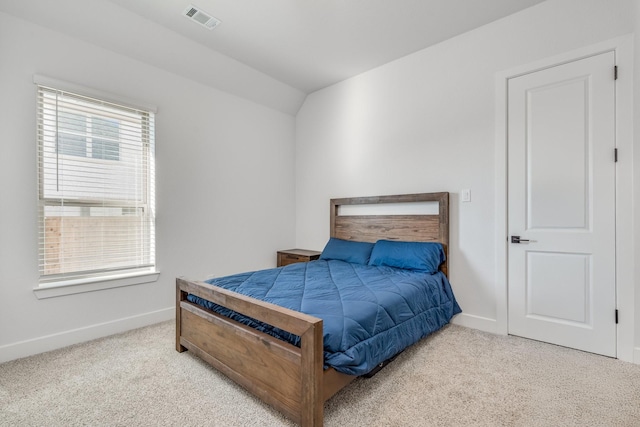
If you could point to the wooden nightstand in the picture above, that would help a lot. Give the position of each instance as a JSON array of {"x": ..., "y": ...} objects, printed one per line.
[{"x": 291, "y": 256}]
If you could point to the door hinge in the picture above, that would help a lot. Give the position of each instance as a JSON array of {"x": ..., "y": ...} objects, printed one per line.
[
  {"x": 615, "y": 72},
  {"x": 615, "y": 154},
  {"x": 616, "y": 316}
]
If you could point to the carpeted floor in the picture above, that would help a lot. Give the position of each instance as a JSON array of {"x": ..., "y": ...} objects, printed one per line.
[{"x": 456, "y": 377}]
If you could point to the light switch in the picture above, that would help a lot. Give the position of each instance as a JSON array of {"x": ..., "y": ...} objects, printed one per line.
[{"x": 465, "y": 195}]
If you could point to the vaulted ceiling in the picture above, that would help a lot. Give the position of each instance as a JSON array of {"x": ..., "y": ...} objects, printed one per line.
[
  {"x": 273, "y": 52},
  {"x": 311, "y": 44}
]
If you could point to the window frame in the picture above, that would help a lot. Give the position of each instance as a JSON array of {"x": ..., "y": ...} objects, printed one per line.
[
  {"x": 72, "y": 283},
  {"x": 88, "y": 140}
]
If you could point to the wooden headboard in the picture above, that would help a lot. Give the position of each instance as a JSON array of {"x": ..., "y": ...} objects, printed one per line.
[{"x": 406, "y": 227}]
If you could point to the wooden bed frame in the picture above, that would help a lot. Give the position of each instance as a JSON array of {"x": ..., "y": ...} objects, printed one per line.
[{"x": 289, "y": 378}]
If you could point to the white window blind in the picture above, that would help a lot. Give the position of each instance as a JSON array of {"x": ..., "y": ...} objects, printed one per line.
[{"x": 96, "y": 187}]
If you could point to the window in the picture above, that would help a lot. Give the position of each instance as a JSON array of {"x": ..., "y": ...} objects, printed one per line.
[
  {"x": 95, "y": 187},
  {"x": 87, "y": 135}
]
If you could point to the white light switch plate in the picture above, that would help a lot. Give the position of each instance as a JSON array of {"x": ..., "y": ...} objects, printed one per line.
[{"x": 465, "y": 195}]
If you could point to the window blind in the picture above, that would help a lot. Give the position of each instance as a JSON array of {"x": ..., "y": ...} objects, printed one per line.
[{"x": 95, "y": 185}]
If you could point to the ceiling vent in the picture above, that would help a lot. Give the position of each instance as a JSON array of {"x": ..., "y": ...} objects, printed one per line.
[{"x": 201, "y": 17}]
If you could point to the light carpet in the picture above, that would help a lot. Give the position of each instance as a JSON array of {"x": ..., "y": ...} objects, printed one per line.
[{"x": 455, "y": 377}]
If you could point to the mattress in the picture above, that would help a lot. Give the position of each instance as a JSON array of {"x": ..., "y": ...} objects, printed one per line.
[{"x": 369, "y": 313}]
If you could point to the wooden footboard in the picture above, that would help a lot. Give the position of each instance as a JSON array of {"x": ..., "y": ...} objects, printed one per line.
[{"x": 285, "y": 376}]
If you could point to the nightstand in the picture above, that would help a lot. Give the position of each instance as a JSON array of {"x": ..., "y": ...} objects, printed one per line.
[{"x": 291, "y": 256}]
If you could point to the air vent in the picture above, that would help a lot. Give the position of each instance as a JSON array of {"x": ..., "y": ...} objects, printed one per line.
[{"x": 202, "y": 18}]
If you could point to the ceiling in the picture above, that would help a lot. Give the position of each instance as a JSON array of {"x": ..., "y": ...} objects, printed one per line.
[
  {"x": 311, "y": 44},
  {"x": 272, "y": 52}
]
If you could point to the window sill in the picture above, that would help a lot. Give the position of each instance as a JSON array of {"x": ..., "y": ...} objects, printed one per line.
[{"x": 78, "y": 286}]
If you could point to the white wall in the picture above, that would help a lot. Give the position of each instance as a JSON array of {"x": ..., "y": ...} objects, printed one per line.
[
  {"x": 422, "y": 123},
  {"x": 426, "y": 122},
  {"x": 225, "y": 187}
]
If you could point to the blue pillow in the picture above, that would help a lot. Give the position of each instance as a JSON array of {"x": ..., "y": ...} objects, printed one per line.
[
  {"x": 424, "y": 256},
  {"x": 347, "y": 250}
]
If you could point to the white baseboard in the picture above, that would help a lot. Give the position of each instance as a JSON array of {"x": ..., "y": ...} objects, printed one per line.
[
  {"x": 491, "y": 325},
  {"x": 63, "y": 339},
  {"x": 476, "y": 322}
]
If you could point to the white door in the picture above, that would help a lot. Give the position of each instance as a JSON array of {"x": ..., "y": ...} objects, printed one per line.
[{"x": 561, "y": 190}]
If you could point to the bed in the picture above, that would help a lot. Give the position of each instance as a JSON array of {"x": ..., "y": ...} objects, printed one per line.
[{"x": 294, "y": 374}]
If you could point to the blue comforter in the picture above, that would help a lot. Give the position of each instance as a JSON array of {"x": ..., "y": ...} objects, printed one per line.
[{"x": 369, "y": 313}]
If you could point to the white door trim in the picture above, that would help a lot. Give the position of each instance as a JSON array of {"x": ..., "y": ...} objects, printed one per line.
[{"x": 625, "y": 293}]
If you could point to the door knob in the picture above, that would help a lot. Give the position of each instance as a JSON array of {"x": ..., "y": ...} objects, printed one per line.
[{"x": 517, "y": 239}]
